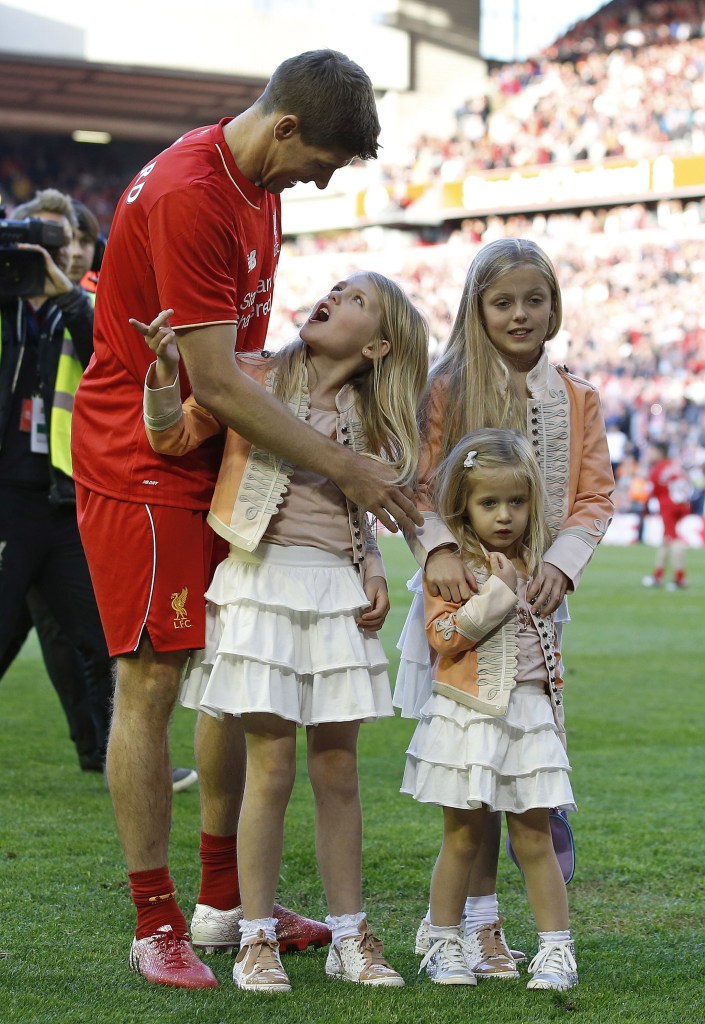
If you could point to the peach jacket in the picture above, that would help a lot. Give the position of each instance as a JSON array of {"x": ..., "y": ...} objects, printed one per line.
[
  {"x": 474, "y": 645},
  {"x": 566, "y": 428},
  {"x": 252, "y": 483}
]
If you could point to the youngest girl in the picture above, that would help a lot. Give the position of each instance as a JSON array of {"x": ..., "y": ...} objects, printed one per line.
[
  {"x": 489, "y": 737},
  {"x": 294, "y": 609}
]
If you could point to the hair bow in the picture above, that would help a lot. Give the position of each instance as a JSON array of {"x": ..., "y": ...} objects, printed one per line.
[{"x": 469, "y": 460}]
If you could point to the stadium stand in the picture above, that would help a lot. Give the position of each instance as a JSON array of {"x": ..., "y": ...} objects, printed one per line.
[{"x": 623, "y": 89}]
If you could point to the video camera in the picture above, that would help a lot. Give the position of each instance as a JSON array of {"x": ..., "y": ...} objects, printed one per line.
[{"x": 21, "y": 272}]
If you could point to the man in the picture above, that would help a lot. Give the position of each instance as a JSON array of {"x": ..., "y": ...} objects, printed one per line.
[
  {"x": 46, "y": 341},
  {"x": 199, "y": 232}
]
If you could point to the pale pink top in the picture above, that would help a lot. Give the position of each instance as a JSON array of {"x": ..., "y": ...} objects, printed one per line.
[
  {"x": 314, "y": 511},
  {"x": 531, "y": 666}
]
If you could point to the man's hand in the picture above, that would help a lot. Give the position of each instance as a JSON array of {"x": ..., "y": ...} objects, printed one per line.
[
  {"x": 373, "y": 617},
  {"x": 369, "y": 484},
  {"x": 448, "y": 576},
  {"x": 162, "y": 341},
  {"x": 55, "y": 282},
  {"x": 547, "y": 589}
]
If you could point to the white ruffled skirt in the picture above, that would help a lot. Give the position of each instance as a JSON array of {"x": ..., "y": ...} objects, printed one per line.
[
  {"x": 281, "y": 638},
  {"x": 462, "y": 758},
  {"x": 414, "y": 682}
]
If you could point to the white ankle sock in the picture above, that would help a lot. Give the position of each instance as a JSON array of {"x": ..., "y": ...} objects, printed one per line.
[
  {"x": 445, "y": 931},
  {"x": 546, "y": 938},
  {"x": 480, "y": 910},
  {"x": 249, "y": 929},
  {"x": 343, "y": 926}
]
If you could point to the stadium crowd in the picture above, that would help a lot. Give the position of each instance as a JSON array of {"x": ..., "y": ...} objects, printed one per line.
[
  {"x": 630, "y": 81},
  {"x": 627, "y": 82}
]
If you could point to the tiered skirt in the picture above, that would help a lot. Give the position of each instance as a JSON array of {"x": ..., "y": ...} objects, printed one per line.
[
  {"x": 459, "y": 757},
  {"x": 281, "y": 638}
]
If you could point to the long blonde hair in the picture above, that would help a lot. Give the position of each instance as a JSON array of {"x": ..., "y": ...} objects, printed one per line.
[
  {"x": 478, "y": 390},
  {"x": 389, "y": 390},
  {"x": 495, "y": 449}
]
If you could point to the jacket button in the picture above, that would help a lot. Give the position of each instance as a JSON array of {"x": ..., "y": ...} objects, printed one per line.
[{"x": 346, "y": 440}]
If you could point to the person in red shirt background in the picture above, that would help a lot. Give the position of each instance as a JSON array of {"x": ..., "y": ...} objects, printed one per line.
[{"x": 670, "y": 486}]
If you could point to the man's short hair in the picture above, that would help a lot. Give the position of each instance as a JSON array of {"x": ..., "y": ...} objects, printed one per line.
[
  {"x": 333, "y": 98},
  {"x": 47, "y": 200}
]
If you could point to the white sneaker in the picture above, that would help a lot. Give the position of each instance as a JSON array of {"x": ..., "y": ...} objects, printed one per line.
[
  {"x": 358, "y": 958},
  {"x": 423, "y": 939},
  {"x": 257, "y": 967},
  {"x": 554, "y": 967},
  {"x": 651, "y": 581},
  {"x": 447, "y": 962},
  {"x": 488, "y": 953},
  {"x": 215, "y": 931},
  {"x": 423, "y": 942}
]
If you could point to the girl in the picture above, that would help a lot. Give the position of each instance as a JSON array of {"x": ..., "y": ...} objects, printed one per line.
[
  {"x": 489, "y": 735},
  {"x": 293, "y": 611},
  {"x": 495, "y": 373}
]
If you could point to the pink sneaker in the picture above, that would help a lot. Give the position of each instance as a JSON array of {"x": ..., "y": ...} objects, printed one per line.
[{"x": 165, "y": 958}]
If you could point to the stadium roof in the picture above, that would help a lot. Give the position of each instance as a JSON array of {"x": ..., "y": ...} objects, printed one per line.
[{"x": 40, "y": 94}]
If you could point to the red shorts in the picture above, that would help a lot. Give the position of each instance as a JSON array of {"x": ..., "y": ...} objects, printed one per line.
[
  {"x": 671, "y": 516},
  {"x": 150, "y": 566}
]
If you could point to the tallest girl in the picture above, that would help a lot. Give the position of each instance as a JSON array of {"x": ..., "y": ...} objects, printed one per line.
[{"x": 495, "y": 372}]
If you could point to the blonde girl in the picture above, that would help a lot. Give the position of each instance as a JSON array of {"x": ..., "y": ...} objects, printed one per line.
[
  {"x": 488, "y": 739},
  {"x": 294, "y": 610},
  {"x": 495, "y": 372}
]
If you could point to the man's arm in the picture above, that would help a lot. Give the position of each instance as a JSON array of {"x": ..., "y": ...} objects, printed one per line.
[{"x": 238, "y": 402}]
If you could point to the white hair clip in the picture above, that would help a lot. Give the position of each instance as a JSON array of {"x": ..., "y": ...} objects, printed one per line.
[{"x": 469, "y": 460}]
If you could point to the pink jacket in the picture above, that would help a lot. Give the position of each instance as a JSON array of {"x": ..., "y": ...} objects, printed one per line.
[
  {"x": 567, "y": 431},
  {"x": 251, "y": 483},
  {"x": 474, "y": 645}
]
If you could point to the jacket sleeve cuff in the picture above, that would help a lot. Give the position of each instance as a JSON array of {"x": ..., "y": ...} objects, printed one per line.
[
  {"x": 74, "y": 303},
  {"x": 433, "y": 534},
  {"x": 570, "y": 554},
  {"x": 162, "y": 406},
  {"x": 485, "y": 610}
]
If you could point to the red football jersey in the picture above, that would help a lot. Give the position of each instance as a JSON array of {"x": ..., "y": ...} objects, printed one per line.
[{"x": 191, "y": 233}]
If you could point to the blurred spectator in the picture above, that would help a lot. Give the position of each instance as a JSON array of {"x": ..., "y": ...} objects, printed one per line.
[{"x": 670, "y": 489}]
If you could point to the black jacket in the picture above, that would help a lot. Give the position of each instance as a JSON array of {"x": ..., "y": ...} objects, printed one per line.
[{"x": 71, "y": 313}]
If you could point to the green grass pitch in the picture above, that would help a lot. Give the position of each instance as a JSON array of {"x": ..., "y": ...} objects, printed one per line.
[{"x": 635, "y": 703}]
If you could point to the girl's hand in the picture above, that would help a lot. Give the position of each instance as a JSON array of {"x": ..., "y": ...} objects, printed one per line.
[
  {"x": 377, "y": 594},
  {"x": 162, "y": 341},
  {"x": 547, "y": 589},
  {"x": 447, "y": 576},
  {"x": 502, "y": 567}
]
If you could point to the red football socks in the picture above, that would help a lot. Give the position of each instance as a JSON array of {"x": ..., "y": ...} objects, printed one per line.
[
  {"x": 154, "y": 896},
  {"x": 219, "y": 881}
]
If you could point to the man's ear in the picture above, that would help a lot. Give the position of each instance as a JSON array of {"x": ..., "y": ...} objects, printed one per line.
[
  {"x": 376, "y": 349},
  {"x": 286, "y": 127}
]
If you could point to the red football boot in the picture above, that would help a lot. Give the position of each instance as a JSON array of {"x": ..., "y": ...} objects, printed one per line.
[{"x": 168, "y": 959}]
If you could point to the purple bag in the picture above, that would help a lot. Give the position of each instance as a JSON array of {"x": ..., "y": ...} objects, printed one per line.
[{"x": 563, "y": 844}]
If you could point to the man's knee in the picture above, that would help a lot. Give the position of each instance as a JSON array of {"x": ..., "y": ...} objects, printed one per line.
[{"x": 149, "y": 680}]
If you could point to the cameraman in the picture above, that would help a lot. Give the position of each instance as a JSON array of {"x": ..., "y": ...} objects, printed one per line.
[{"x": 46, "y": 341}]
